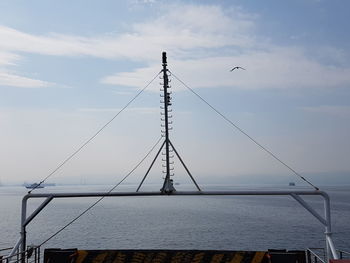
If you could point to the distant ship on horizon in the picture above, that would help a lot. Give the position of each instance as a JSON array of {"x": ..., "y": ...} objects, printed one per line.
[{"x": 34, "y": 185}]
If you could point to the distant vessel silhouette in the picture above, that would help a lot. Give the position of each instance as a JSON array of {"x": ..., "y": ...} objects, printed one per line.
[{"x": 32, "y": 186}]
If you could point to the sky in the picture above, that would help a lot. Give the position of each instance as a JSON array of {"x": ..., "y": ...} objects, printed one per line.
[{"x": 68, "y": 67}]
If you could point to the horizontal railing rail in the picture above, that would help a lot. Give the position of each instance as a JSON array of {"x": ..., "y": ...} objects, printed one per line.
[{"x": 31, "y": 255}]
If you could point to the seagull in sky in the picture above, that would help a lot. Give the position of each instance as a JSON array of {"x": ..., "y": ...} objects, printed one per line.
[{"x": 237, "y": 68}]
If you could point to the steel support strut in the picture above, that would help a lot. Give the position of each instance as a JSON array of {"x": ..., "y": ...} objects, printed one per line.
[
  {"x": 184, "y": 165},
  {"x": 149, "y": 168},
  {"x": 26, "y": 220},
  {"x": 331, "y": 250},
  {"x": 326, "y": 222}
]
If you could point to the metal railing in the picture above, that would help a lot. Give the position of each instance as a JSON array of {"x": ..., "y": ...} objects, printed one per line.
[
  {"x": 315, "y": 255},
  {"x": 325, "y": 219},
  {"x": 344, "y": 254},
  {"x": 30, "y": 255}
]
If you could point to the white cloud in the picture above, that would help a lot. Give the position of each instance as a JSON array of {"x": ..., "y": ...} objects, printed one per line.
[
  {"x": 7, "y": 58},
  {"x": 268, "y": 66},
  {"x": 340, "y": 111},
  {"x": 141, "y": 110},
  {"x": 137, "y": 78},
  {"x": 122, "y": 93},
  {"x": 206, "y": 42},
  {"x": 277, "y": 68},
  {"x": 184, "y": 27},
  {"x": 143, "y": 1},
  {"x": 12, "y": 80}
]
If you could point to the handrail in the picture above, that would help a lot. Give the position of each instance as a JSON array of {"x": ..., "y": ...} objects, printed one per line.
[
  {"x": 33, "y": 251},
  {"x": 325, "y": 220},
  {"x": 313, "y": 252},
  {"x": 341, "y": 252}
]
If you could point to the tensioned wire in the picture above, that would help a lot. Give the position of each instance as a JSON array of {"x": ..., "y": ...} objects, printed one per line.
[
  {"x": 102, "y": 197},
  {"x": 244, "y": 133},
  {"x": 94, "y": 136}
]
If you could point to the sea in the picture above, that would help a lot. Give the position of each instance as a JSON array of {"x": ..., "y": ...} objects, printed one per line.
[{"x": 177, "y": 222}]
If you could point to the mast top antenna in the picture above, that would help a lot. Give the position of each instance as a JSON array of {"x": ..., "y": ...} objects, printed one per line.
[{"x": 164, "y": 57}]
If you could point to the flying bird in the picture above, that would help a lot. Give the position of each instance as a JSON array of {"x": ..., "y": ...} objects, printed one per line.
[{"x": 237, "y": 68}]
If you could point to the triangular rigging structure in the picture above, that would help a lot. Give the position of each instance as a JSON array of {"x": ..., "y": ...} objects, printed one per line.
[{"x": 167, "y": 145}]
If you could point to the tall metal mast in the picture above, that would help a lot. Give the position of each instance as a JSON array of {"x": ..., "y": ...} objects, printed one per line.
[
  {"x": 168, "y": 186},
  {"x": 168, "y": 183}
]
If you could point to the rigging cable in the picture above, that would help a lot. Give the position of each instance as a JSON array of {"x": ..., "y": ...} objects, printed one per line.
[
  {"x": 247, "y": 135},
  {"x": 93, "y": 137},
  {"x": 101, "y": 198}
]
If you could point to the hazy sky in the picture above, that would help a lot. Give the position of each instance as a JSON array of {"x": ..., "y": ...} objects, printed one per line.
[{"x": 67, "y": 67}]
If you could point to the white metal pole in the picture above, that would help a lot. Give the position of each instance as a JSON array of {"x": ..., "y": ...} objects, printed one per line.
[
  {"x": 331, "y": 251},
  {"x": 23, "y": 226}
]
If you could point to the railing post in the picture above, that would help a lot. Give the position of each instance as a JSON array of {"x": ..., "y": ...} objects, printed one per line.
[
  {"x": 307, "y": 255},
  {"x": 331, "y": 252},
  {"x": 23, "y": 229}
]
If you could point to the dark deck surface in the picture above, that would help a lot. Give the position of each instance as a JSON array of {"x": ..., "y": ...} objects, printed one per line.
[{"x": 173, "y": 256}]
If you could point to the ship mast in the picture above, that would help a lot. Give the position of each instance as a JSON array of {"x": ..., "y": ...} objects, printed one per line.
[{"x": 168, "y": 186}]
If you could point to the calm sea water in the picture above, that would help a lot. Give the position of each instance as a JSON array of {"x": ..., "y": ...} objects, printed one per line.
[{"x": 169, "y": 222}]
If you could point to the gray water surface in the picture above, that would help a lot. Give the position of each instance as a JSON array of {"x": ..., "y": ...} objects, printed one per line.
[{"x": 176, "y": 222}]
